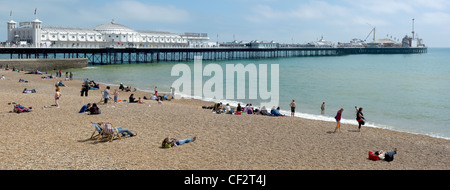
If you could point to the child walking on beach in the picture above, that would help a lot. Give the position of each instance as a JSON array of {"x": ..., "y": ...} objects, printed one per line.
[
  {"x": 116, "y": 95},
  {"x": 57, "y": 96},
  {"x": 338, "y": 119}
]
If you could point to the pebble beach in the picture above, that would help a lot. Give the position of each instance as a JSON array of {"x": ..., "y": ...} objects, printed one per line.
[{"x": 59, "y": 138}]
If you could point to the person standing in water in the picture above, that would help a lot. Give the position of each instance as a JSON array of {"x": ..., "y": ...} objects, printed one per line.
[
  {"x": 292, "y": 108},
  {"x": 338, "y": 119},
  {"x": 359, "y": 117}
]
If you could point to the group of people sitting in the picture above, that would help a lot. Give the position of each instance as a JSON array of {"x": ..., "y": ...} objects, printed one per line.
[
  {"x": 90, "y": 109},
  {"x": 126, "y": 89},
  {"x": 249, "y": 109},
  {"x": 132, "y": 99}
]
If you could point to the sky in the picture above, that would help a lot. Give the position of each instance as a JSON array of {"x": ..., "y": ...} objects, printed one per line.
[{"x": 284, "y": 21}]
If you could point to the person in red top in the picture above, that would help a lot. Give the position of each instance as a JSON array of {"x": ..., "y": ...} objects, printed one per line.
[{"x": 338, "y": 119}]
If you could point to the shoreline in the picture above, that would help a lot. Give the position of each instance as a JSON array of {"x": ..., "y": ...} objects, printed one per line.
[
  {"x": 316, "y": 117},
  {"x": 57, "y": 138}
]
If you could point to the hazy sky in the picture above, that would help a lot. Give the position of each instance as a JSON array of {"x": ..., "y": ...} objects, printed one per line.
[{"x": 284, "y": 21}]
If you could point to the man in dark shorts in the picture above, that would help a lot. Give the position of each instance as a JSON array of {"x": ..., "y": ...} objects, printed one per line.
[
  {"x": 292, "y": 108},
  {"x": 359, "y": 117}
]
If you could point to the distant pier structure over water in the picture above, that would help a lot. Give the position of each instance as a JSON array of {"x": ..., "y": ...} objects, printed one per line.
[
  {"x": 146, "y": 55},
  {"x": 117, "y": 44}
]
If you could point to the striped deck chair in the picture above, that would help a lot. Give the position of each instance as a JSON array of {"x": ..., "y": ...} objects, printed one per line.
[{"x": 98, "y": 131}]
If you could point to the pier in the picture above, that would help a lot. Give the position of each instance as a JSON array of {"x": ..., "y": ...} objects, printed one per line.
[{"x": 151, "y": 55}]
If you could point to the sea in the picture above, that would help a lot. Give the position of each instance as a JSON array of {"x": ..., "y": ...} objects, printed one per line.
[{"x": 400, "y": 92}]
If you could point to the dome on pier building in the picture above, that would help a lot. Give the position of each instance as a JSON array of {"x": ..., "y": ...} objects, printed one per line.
[{"x": 113, "y": 28}]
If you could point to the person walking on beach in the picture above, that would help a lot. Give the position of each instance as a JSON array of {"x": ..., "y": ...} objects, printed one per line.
[
  {"x": 322, "y": 108},
  {"x": 292, "y": 108},
  {"x": 338, "y": 119},
  {"x": 359, "y": 117}
]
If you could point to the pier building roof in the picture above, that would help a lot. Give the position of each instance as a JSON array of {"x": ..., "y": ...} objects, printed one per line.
[{"x": 113, "y": 28}]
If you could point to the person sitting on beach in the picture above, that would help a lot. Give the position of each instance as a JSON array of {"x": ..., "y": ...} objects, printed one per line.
[
  {"x": 85, "y": 108},
  {"x": 250, "y": 109},
  {"x": 218, "y": 108},
  {"x": 172, "y": 142},
  {"x": 94, "y": 109},
  {"x": 263, "y": 111},
  {"x": 127, "y": 89},
  {"x": 239, "y": 108},
  {"x": 60, "y": 83},
  {"x": 132, "y": 99},
  {"x": 228, "y": 109},
  {"x": 123, "y": 131},
  {"x": 381, "y": 155},
  {"x": 23, "y": 80},
  {"x": 29, "y": 91},
  {"x": 19, "y": 108},
  {"x": 48, "y": 77}
]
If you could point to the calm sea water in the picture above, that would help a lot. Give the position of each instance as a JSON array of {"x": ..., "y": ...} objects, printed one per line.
[{"x": 402, "y": 92}]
